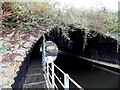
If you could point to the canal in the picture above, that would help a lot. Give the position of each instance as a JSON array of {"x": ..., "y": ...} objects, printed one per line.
[{"x": 86, "y": 74}]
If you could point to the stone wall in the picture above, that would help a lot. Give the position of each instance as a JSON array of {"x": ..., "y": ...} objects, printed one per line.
[{"x": 14, "y": 47}]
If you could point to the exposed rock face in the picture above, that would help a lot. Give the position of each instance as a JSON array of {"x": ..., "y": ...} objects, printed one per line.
[{"x": 13, "y": 50}]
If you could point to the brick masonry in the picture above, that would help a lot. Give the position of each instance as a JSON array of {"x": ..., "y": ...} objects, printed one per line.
[{"x": 13, "y": 50}]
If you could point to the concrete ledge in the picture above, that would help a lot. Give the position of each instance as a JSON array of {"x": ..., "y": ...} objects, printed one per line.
[
  {"x": 117, "y": 66},
  {"x": 106, "y": 64}
]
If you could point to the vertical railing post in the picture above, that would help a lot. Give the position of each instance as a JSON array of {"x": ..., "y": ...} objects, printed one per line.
[
  {"x": 66, "y": 82},
  {"x": 53, "y": 78},
  {"x": 43, "y": 55},
  {"x": 48, "y": 72}
]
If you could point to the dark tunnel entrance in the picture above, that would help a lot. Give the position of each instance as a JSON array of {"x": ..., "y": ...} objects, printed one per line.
[
  {"x": 98, "y": 48},
  {"x": 85, "y": 73}
]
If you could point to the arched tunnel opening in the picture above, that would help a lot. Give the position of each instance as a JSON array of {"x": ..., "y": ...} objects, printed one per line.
[
  {"x": 84, "y": 72},
  {"x": 98, "y": 48}
]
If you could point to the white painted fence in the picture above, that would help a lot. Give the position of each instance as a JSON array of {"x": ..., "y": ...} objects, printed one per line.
[{"x": 51, "y": 76}]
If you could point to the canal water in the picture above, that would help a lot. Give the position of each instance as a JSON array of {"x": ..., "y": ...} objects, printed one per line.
[{"x": 88, "y": 75}]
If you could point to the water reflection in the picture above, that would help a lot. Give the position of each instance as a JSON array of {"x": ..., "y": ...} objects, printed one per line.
[{"x": 88, "y": 75}]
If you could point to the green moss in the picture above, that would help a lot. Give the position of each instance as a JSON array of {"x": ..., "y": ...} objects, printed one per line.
[{"x": 3, "y": 49}]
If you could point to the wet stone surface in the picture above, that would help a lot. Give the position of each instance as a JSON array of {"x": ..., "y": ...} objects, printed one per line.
[
  {"x": 35, "y": 86},
  {"x": 34, "y": 78},
  {"x": 33, "y": 70}
]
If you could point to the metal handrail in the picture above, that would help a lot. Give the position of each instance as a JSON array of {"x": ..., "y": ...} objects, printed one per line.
[
  {"x": 59, "y": 69},
  {"x": 59, "y": 80},
  {"x": 67, "y": 78},
  {"x": 55, "y": 76},
  {"x": 46, "y": 69},
  {"x": 77, "y": 85}
]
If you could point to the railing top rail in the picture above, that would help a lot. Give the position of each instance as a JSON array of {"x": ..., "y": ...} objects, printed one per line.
[
  {"x": 77, "y": 85},
  {"x": 59, "y": 69},
  {"x": 54, "y": 75}
]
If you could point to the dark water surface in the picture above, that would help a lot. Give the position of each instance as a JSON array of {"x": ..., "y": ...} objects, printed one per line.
[{"x": 88, "y": 75}]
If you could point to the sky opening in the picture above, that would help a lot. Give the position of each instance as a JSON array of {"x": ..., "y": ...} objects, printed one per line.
[{"x": 95, "y": 4}]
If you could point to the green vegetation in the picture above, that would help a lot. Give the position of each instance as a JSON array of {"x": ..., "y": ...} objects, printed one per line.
[
  {"x": 3, "y": 49},
  {"x": 30, "y": 16}
]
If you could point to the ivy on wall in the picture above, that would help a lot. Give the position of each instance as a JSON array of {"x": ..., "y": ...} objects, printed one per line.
[{"x": 30, "y": 16}]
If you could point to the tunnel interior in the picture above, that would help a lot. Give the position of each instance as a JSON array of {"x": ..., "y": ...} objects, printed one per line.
[
  {"x": 97, "y": 48},
  {"x": 100, "y": 47}
]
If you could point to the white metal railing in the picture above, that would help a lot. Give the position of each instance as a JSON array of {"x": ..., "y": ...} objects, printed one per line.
[
  {"x": 54, "y": 77},
  {"x": 47, "y": 69}
]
